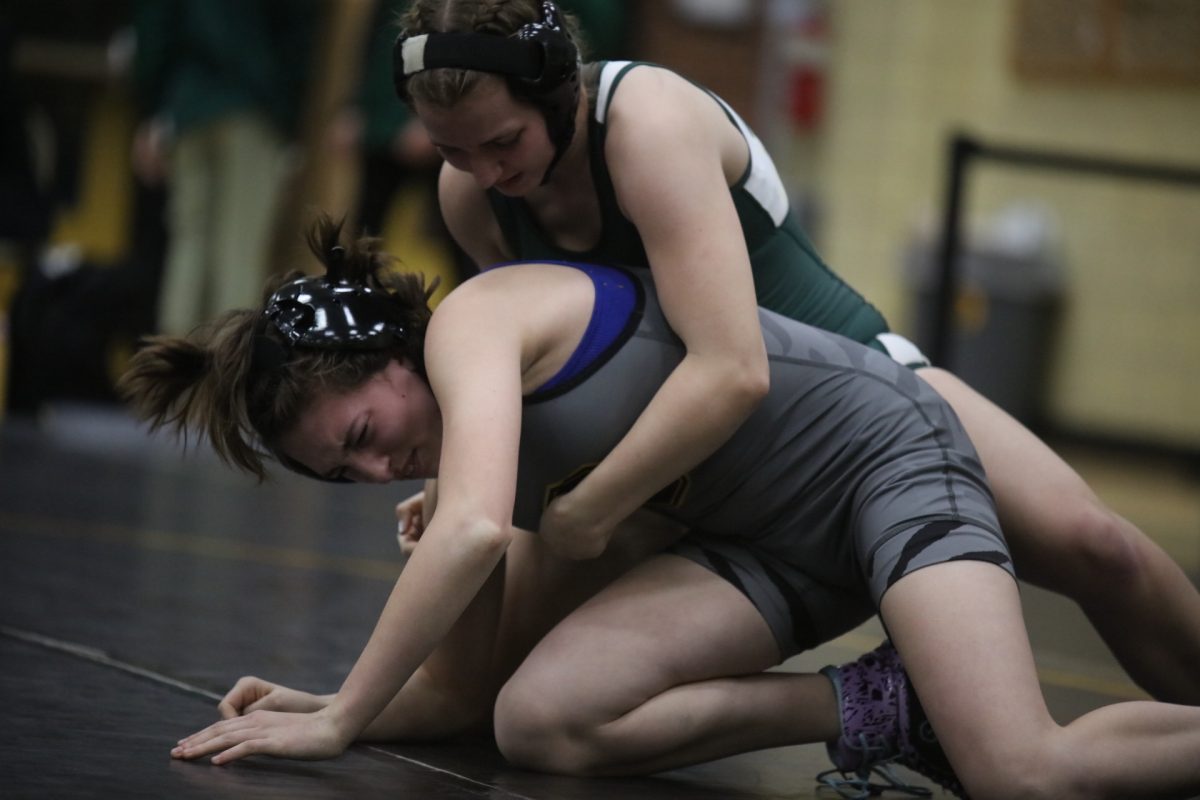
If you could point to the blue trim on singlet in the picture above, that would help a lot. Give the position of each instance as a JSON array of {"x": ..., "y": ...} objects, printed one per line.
[{"x": 616, "y": 312}]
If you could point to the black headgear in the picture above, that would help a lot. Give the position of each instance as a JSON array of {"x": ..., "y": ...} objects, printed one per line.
[
  {"x": 332, "y": 312},
  {"x": 326, "y": 312},
  {"x": 539, "y": 61}
]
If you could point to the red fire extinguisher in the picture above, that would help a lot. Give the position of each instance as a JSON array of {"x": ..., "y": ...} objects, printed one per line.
[{"x": 804, "y": 54}]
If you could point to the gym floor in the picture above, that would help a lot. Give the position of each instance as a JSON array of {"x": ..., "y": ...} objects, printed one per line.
[{"x": 137, "y": 585}]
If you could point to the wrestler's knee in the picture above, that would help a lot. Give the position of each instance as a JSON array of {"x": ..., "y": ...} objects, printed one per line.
[
  {"x": 1097, "y": 550},
  {"x": 537, "y": 728},
  {"x": 1034, "y": 768},
  {"x": 1013, "y": 785}
]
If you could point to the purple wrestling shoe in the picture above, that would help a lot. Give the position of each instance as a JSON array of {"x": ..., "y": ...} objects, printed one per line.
[{"x": 882, "y": 724}]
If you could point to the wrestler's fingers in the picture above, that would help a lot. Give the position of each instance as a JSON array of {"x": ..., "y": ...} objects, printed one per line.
[
  {"x": 244, "y": 694},
  {"x": 408, "y": 542},
  {"x": 411, "y": 526},
  {"x": 410, "y": 505},
  {"x": 220, "y": 746},
  {"x": 249, "y": 747},
  {"x": 214, "y": 731},
  {"x": 274, "y": 733},
  {"x": 210, "y": 740}
]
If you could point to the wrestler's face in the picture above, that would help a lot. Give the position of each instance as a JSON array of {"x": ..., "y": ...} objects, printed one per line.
[
  {"x": 388, "y": 428},
  {"x": 502, "y": 142}
]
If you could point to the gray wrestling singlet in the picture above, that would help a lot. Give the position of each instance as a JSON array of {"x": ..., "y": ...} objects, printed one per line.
[{"x": 852, "y": 473}]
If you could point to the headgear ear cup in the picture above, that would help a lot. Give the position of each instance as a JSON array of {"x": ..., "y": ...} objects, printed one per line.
[
  {"x": 558, "y": 87},
  {"x": 540, "y": 63}
]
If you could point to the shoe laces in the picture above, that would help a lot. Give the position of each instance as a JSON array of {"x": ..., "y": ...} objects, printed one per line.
[
  {"x": 877, "y": 758},
  {"x": 859, "y": 786}
]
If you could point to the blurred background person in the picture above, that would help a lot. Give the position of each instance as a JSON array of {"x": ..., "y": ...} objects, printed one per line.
[{"x": 221, "y": 84}]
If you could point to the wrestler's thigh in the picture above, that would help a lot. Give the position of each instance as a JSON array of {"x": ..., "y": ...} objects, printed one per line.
[
  {"x": 540, "y": 588},
  {"x": 1039, "y": 496},
  {"x": 959, "y": 629},
  {"x": 666, "y": 622}
]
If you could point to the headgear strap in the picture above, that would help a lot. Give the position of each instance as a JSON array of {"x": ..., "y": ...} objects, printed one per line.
[
  {"x": 540, "y": 62},
  {"x": 479, "y": 51}
]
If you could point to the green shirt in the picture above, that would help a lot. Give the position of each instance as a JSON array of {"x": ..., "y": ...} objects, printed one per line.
[{"x": 199, "y": 60}]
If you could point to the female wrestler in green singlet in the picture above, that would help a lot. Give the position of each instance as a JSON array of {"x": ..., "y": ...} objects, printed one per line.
[{"x": 633, "y": 164}]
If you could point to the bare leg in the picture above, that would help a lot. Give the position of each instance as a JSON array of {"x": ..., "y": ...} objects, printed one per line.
[
  {"x": 542, "y": 588},
  {"x": 665, "y": 667},
  {"x": 959, "y": 629},
  {"x": 1063, "y": 538},
  {"x": 452, "y": 694}
]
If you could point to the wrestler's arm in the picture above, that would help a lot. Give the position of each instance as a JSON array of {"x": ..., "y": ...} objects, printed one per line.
[
  {"x": 477, "y": 381},
  {"x": 469, "y": 218},
  {"x": 667, "y": 171},
  {"x": 473, "y": 227}
]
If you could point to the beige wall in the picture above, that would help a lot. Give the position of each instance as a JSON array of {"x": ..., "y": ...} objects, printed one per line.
[{"x": 906, "y": 74}]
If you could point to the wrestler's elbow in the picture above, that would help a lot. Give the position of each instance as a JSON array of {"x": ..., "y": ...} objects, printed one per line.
[
  {"x": 749, "y": 381},
  {"x": 484, "y": 536}
]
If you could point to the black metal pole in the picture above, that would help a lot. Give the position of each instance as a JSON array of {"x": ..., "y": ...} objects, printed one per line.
[{"x": 1094, "y": 165}]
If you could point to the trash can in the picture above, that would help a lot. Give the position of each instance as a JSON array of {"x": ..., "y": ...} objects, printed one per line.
[{"x": 1004, "y": 319}]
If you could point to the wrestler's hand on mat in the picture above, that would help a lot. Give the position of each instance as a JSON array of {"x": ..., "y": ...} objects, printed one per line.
[
  {"x": 266, "y": 733},
  {"x": 410, "y": 516},
  {"x": 255, "y": 694},
  {"x": 570, "y": 531}
]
